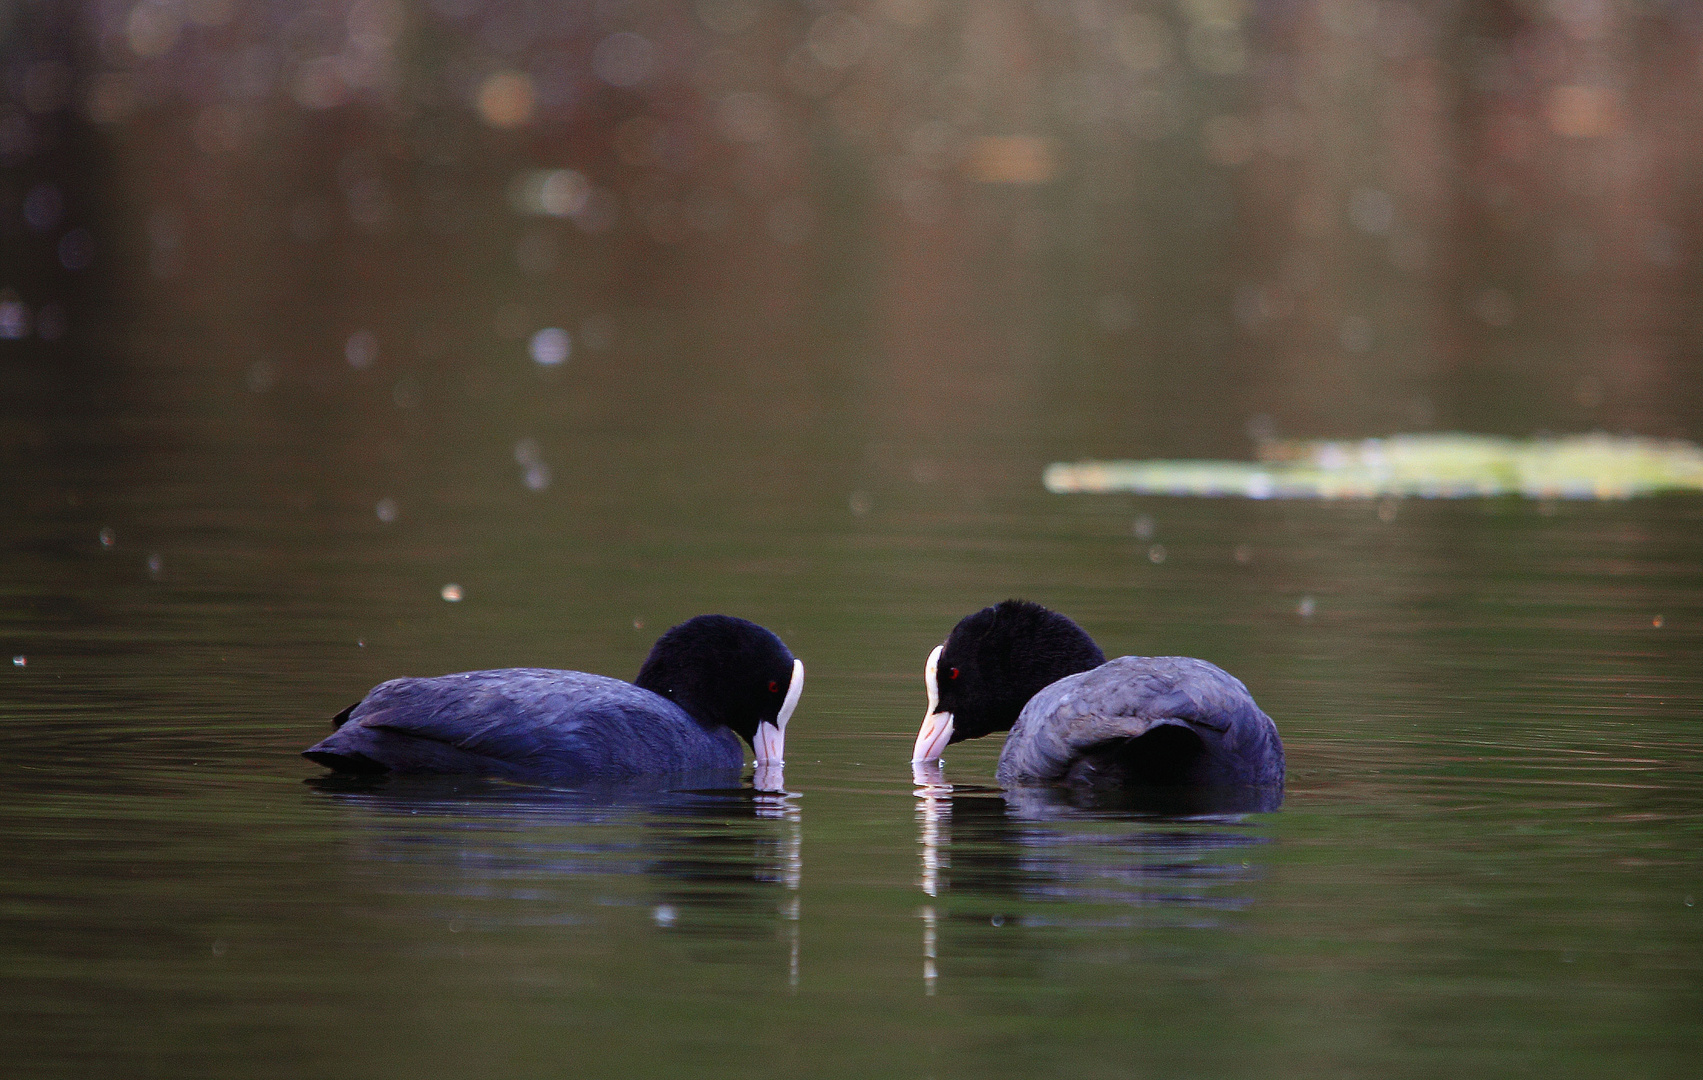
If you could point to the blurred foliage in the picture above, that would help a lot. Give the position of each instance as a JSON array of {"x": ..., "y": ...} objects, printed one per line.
[
  {"x": 923, "y": 227},
  {"x": 1428, "y": 466}
]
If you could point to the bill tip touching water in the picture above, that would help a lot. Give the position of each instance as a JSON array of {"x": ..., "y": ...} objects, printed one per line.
[
  {"x": 707, "y": 684},
  {"x": 1077, "y": 719}
]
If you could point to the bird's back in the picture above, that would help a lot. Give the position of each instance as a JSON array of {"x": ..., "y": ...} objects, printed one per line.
[
  {"x": 1200, "y": 724},
  {"x": 525, "y": 723}
]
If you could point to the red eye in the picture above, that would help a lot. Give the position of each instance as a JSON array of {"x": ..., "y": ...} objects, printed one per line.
[
  {"x": 774, "y": 687},
  {"x": 953, "y": 674}
]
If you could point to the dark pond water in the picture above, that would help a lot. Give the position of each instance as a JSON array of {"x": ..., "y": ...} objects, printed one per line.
[
  {"x": 1488, "y": 860},
  {"x": 609, "y": 314}
]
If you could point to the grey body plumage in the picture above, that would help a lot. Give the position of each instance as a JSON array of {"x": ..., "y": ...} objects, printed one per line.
[{"x": 1081, "y": 728}]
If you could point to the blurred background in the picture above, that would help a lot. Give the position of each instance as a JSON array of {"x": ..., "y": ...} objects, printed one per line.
[{"x": 919, "y": 235}]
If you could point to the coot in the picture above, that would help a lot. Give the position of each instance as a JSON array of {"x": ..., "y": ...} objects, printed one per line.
[
  {"x": 1076, "y": 718},
  {"x": 707, "y": 683}
]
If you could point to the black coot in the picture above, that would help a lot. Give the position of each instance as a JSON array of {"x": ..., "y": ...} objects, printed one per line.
[
  {"x": 707, "y": 683},
  {"x": 1076, "y": 718}
]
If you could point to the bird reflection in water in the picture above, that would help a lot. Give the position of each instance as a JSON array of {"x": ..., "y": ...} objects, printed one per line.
[
  {"x": 1034, "y": 858},
  {"x": 720, "y": 860}
]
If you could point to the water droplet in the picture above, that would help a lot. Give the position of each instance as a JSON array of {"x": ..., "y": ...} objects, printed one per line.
[
  {"x": 550, "y": 346},
  {"x": 360, "y": 643},
  {"x": 1657, "y": 622},
  {"x": 20, "y": 661},
  {"x": 108, "y": 538},
  {"x": 1305, "y": 609},
  {"x": 638, "y": 623},
  {"x": 997, "y": 920},
  {"x": 1156, "y": 553},
  {"x": 386, "y": 510},
  {"x": 663, "y": 914},
  {"x": 451, "y": 593}
]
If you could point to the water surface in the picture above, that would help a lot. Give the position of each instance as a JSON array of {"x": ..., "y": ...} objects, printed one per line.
[{"x": 1487, "y": 860}]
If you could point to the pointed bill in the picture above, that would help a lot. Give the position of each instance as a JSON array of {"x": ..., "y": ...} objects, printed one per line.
[
  {"x": 932, "y": 739},
  {"x": 936, "y": 726},
  {"x": 770, "y": 743}
]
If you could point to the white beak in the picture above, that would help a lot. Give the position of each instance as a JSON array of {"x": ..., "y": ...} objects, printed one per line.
[
  {"x": 770, "y": 743},
  {"x": 936, "y": 726}
]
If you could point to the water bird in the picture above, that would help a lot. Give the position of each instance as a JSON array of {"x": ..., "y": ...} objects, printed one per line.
[
  {"x": 706, "y": 684},
  {"x": 1083, "y": 721}
]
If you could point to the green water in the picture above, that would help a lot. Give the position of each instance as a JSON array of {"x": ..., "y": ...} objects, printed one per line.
[{"x": 1488, "y": 860}]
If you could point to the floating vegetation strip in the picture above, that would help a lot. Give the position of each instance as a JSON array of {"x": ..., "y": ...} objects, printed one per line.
[{"x": 1422, "y": 466}]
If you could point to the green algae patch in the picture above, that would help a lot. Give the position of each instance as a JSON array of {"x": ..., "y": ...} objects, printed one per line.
[{"x": 1420, "y": 466}]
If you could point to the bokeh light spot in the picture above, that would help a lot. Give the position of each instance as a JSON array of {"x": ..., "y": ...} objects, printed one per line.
[
  {"x": 550, "y": 346},
  {"x": 1012, "y": 159},
  {"x": 14, "y": 318},
  {"x": 261, "y": 376},
  {"x": 361, "y": 349},
  {"x": 506, "y": 99}
]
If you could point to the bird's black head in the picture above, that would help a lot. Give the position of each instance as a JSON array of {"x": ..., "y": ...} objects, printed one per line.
[
  {"x": 731, "y": 672},
  {"x": 996, "y": 660}
]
